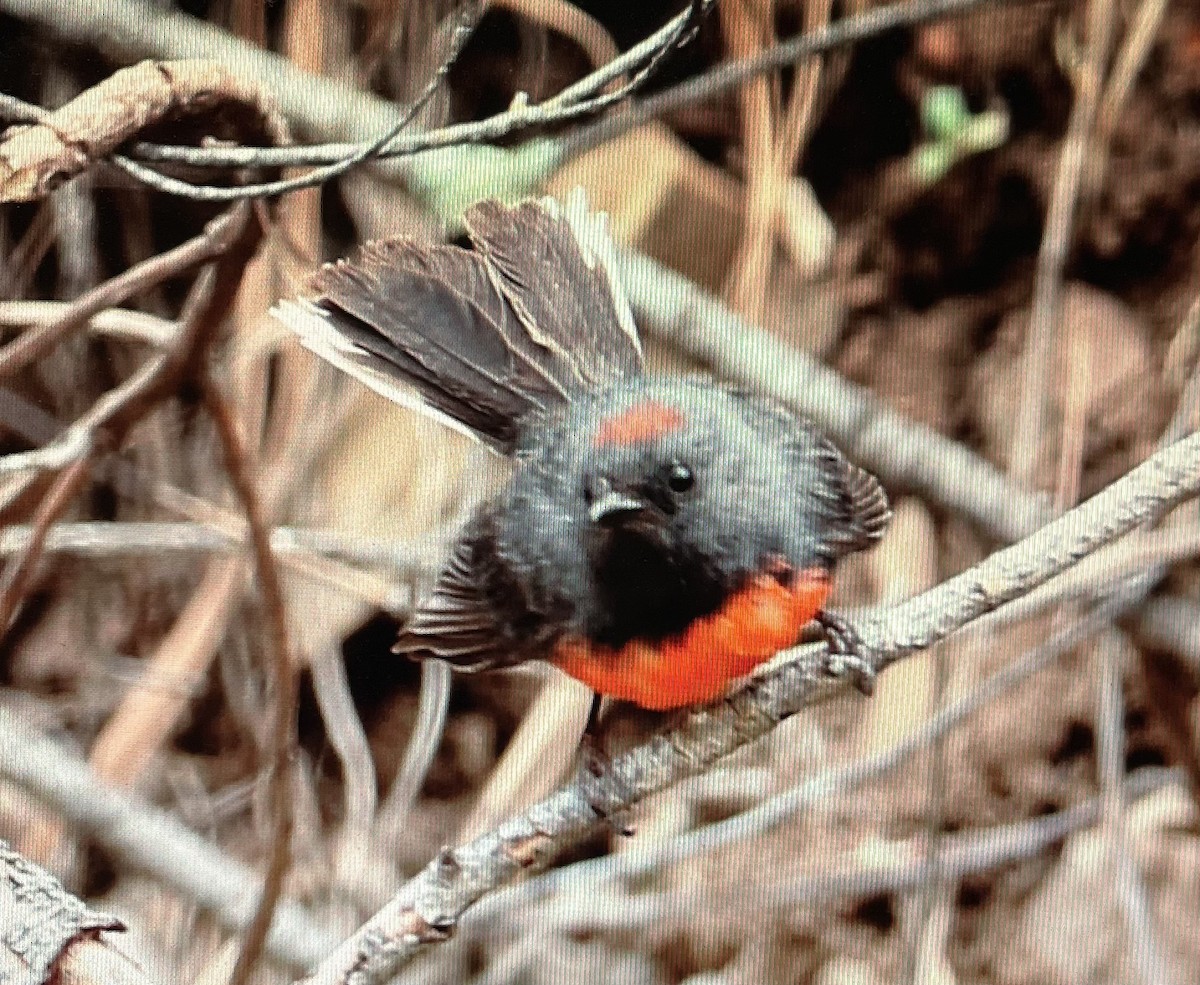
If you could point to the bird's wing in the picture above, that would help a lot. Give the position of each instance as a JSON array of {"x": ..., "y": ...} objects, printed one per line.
[
  {"x": 460, "y": 621},
  {"x": 852, "y": 503}
]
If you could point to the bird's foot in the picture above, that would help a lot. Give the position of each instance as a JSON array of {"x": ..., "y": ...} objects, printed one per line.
[{"x": 848, "y": 655}]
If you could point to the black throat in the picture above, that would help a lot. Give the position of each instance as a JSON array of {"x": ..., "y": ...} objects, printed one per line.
[{"x": 648, "y": 590}]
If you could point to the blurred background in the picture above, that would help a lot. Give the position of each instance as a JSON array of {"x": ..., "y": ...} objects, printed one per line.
[{"x": 882, "y": 210}]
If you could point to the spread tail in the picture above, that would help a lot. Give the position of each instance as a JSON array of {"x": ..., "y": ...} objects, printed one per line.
[{"x": 482, "y": 337}]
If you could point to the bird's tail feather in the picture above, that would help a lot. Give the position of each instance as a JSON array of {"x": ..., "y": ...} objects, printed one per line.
[{"x": 478, "y": 337}]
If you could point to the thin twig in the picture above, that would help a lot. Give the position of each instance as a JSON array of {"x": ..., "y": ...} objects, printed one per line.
[
  {"x": 282, "y": 746},
  {"x": 374, "y": 148},
  {"x": 318, "y": 107},
  {"x": 211, "y": 243},
  {"x": 140, "y": 390},
  {"x": 19, "y": 575},
  {"x": 428, "y": 908},
  {"x": 1029, "y": 430},
  {"x": 214, "y": 193},
  {"x": 672, "y": 35}
]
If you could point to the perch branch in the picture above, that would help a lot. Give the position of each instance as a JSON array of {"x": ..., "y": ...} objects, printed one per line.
[
  {"x": 429, "y": 907},
  {"x": 765, "y": 817}
]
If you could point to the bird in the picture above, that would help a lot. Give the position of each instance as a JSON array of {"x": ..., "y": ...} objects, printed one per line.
[{"x": 659, "y": 536}]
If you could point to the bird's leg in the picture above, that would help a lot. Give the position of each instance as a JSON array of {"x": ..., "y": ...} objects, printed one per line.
[
  {"x": 601, "y": 788},
  {"x": 591, "y": 729},
  {"x": 848, "y": 654}
]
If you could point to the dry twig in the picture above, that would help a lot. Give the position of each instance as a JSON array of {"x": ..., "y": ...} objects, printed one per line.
[
  {"x": 282, "y": 745},
  {"x": 145, "y": 838},
  {"x": 35, "y": 160}
]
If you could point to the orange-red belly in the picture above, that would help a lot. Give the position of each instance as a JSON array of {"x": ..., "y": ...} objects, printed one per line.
[{"x": 753, "y": 625}]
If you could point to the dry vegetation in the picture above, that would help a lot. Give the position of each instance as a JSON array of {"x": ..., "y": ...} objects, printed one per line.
[{"x": 985, "y": 225}]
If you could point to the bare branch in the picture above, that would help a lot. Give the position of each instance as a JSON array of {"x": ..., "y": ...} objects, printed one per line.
[
  {"x": 148, "y": 839},
  {"x": 212, "y": 242},
  {"x": 428, "y": 908},
  {"x": 368, "y": 151},
  {"x": 35, "y": 160},
  {"x": 42, "y": 926}
]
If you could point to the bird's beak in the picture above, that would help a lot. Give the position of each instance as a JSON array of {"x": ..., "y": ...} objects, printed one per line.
[{"x": 614, "y": 506}]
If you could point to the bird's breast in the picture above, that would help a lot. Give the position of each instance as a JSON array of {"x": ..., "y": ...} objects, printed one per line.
[{"x": 697, "y": 664}]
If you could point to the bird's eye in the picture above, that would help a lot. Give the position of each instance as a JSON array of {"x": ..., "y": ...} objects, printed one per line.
[{"x": 680, "y": 477}]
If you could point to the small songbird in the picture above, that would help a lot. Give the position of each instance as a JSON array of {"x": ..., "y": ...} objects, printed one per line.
[{"x": 659, "y": 537}]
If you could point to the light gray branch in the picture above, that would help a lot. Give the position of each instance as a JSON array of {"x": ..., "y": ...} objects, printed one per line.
[
  {"x": 428, "y": 908},
  {"x": 839, "y": 780},
  {"x": 107, "y": 538},
  {"x": 39, "y": 920},
  {"x": 905, "y": 455},
  {"x": 147, "y": 839}
]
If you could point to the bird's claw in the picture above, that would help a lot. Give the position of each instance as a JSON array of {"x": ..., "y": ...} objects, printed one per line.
[{"x": 848, "y": 655}]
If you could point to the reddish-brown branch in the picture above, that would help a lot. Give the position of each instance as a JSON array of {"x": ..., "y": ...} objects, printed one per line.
[
  {"x": 19, "y": 576},
  {"x": 237, "y": 465},
  {"x": 36, "y": 159},
  {"x": 216, "y": 238}
]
